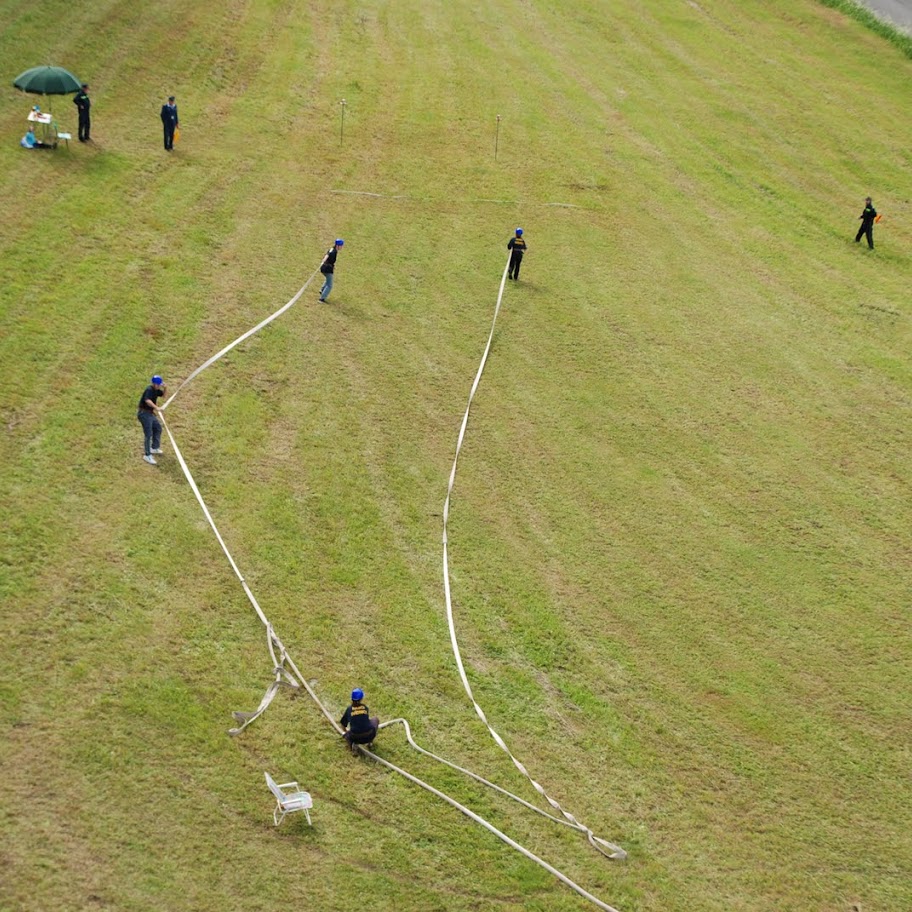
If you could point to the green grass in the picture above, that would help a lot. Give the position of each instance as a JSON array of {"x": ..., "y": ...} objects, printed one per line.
[
  {"x": 879, "y": 26},
  {"x": 680, "y": 533}
]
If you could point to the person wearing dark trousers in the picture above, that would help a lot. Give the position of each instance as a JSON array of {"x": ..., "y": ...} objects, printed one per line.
[
  {"x": 518, "y": 245},
  {"x": 868, "y": 214},
  {"x": 30, "y": 141},
  {"x": 170, "y": 122},
  {"x": 327, "y": 267},
  {"x": 83, "y": 104},
  {"x": 360, "y": 727},
  {"x": 152, "y": 428}
]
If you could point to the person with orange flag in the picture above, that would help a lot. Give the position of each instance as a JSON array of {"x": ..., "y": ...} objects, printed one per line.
[{"x": 868, "y": 217}]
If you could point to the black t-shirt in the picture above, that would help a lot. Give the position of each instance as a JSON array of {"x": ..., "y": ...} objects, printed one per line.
[
  {"x": 517, "y": 245},
  {"x": 357, "y": 719},
  {"x": 868, "y": 215},
  {"x": 330, "y": 263},
  {"x": 82, "y": 102},
  {"x": 150, "y": 393}
]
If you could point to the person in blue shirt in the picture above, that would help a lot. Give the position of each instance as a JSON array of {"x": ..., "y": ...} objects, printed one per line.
[{"x": 30, "y": 141}]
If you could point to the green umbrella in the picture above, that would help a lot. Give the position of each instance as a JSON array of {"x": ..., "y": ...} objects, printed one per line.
[{"x": 47, "y": 80}]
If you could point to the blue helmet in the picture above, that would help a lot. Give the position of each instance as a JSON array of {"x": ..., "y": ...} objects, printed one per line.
[
  {"x": 157, "y": 380},
  {"x": 519, "y": 232},
  {"x": 340, "y": 242},
  {"x": 357, "y": 694}
]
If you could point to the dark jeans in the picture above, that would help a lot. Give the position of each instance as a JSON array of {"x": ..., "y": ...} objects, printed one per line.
[
  {"x": 868, "y": 229},
  {"x": 364, "y": 737},
  {"x": 169, "y": 135},
  {"x": 85, "y": 125},
  {"x": 152, "y": 429},
  {"x": 515, "y": 263}
]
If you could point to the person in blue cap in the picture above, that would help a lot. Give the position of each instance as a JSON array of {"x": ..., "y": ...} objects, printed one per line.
[
  {"x": 518, "y": 246},
  {"x": 360, "y": 727},
  {"x": 152, "y": 428},
  {"x": 327, "y": 267}
]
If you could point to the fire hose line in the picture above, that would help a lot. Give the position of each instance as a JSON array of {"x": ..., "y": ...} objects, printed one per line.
[{"x": 285, "y": 671}]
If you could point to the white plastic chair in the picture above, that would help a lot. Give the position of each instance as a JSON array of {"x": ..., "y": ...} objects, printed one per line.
[{"x": 289, "y": 798}]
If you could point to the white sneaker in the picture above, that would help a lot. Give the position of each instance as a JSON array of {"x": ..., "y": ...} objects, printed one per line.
[
  {"x": 150, "y": 460},
  {"x": 155, "y": 452}
]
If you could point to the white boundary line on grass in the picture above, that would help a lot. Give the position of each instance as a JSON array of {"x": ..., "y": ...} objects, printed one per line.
[{"x": 294, "y": 678}]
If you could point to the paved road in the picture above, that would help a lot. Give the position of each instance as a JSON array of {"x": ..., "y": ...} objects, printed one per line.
[{"x": 899, "y": 11}]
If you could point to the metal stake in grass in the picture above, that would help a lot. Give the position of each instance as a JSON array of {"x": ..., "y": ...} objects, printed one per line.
[
  {"x": 342, "y": 124},
  {"x": 496, "y": 137}
]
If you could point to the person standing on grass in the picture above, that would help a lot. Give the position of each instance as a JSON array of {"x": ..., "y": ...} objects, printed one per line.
[
  {"x": 152, "y": 428},
  {"x": 170, "y": 122},
  {"x": 518, "y": 245},
  {"x": 83, "y": 104},
  {"x": 327, "y": 267},
  {"x": 868, "y": 214},
  {"x": 360, "y": 727}
]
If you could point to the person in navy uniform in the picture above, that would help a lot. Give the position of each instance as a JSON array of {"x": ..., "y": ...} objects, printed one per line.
[
  {"x": 170, "y": 122},
  {"x": 152, "y": 428},
  {"x": 868, "y": 214},
  {"x": 518, "y": 245},
  {"x": 83, "y": 103},
  {"x": 327, "y": 267},
  {"x": 360, "y": 727}
]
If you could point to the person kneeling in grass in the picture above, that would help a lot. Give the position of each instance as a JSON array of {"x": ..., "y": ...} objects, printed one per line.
[{"x": 360, "y": 727}]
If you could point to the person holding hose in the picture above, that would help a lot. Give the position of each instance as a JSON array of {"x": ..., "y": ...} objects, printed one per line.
[
  {"x": 360, "y": 727},
  {"x": 152, "y": 428},
  {"x": 327, "y": 267},
  {"x": 518, "y": 245}
]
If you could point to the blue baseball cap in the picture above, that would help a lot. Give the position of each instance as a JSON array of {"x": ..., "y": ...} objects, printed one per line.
[
  {"x": 357, "y": 694},
  {"x": 158, "y": 380},
  {"x": 340, "y": 242},
  {"x": 519, "y": 230}
]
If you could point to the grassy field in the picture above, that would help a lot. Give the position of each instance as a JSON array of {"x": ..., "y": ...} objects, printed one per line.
[{"x": 680, "y": 536}]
